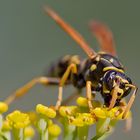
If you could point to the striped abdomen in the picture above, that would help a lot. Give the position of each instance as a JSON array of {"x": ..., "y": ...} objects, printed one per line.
[{"x": 58, "y": 68}]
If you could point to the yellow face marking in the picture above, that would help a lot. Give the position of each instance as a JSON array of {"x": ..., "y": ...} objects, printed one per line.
[
  {"x": 112, "y": 68},
  {"x": 121, "y": 92},
  {"x": 121, "y": 79},
  {"x": 93, "y": 67},
  {"x": 111, "y": 60}
]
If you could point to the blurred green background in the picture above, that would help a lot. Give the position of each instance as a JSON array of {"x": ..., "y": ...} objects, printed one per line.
[{"x": 30, "y": 40}]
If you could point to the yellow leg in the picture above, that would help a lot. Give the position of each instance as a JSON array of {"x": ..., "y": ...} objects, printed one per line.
[
  {"x": 122, "y": 106},
  {"x": 23, "y": 90},
  {"x": 128, "y": 121},
  {"x": 89, "y": 95},
  {"x": 71, "y": 68},
  {"x": 131, "y": 101},
  {"x": 114, "y": 96}
]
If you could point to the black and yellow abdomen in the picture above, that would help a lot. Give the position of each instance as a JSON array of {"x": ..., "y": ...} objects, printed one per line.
[{"x": 59, "y": 67}]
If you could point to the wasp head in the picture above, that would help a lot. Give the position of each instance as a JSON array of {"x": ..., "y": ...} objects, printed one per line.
[{"x": 116, "y": 85}]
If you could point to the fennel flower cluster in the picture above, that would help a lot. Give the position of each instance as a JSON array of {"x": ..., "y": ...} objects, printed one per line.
[{"x": 68, "y": 122}]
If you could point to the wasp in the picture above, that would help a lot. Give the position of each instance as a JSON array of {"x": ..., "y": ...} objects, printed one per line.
[{"x": 101, "y": 72}]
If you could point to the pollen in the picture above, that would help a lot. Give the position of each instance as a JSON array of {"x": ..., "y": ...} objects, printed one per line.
[
  {"x": 18, "y": 119},
  {"x": 46, "y": 111},
  {"x": 66, "y": 111},
  {"x": 82, "y": 119},
  {"x": 81, "y": 101},
  {"x": 100, "y": 113}
]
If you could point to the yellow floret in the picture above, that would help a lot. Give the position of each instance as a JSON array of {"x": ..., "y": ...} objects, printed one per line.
[
  {"x": 99, "y": 112},
  {"x": 68, "y": 110},
  {"x": 54, "y": 130},
  {"x": 106, "y": 113},
  {"x": 18, "y": 119},
  {"x": 81, "y": 101},
  {"x": 44, "y": 110},
  {"x": 6, "y": 126},
  {"x": 29, "y": 132},
  {"x": 82, "y": 119}
]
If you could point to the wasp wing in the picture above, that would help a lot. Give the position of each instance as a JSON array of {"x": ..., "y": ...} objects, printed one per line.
[
  {"x": 104, "y": 37},
  {"x": 70, "y": 31}
]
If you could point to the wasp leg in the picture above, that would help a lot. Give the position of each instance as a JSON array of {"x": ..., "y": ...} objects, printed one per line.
[
  {"x": 89, "y": 94},
  {"x": 130, "y": 103},
  {"x": 128, "y": 122},
  {"x": 71, "y": 68},
  {"x": 23, "y": 90},
  {"x": 114, "y": 96}
]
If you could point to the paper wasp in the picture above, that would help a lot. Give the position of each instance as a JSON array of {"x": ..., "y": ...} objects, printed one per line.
[{"x": 100, "y": 72}]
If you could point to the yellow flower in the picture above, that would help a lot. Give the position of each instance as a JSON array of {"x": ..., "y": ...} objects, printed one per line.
[
  {"x": 54, "y": 130},
  {"x": 82, "y": 119},
  {"x": 18, "y": 119},
  {"x": 29, "y": 132},
  {"x": 83, "y": 102},
  {"x": 99, "y": 112},
  {"x": 6, "y": 126},
  {"x": 44, "y": 110},
  {"x": 76, "y": 121},
  {"x": 119, "y": 117},
  {"x": 105, "y": 113},
  {"x": 3, "y": 107},
  {"x": 68, "y": 110},
  {"x": 33, "y": 117}
]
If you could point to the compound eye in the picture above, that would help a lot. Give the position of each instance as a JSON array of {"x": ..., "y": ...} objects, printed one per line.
[{"x": 110, "y": 82}]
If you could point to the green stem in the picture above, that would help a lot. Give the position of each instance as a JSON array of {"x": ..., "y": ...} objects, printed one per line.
[
  {"x": 43, "y": 136},
  {"x": 83, "y": 132},
  {"x": 102, "y": 129},
  {"x": 52, "y": 137},
  {"x": 42, "y": 126},
  {"x": 18, "y": 134},
  {"x": 70, "y": 131}
]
